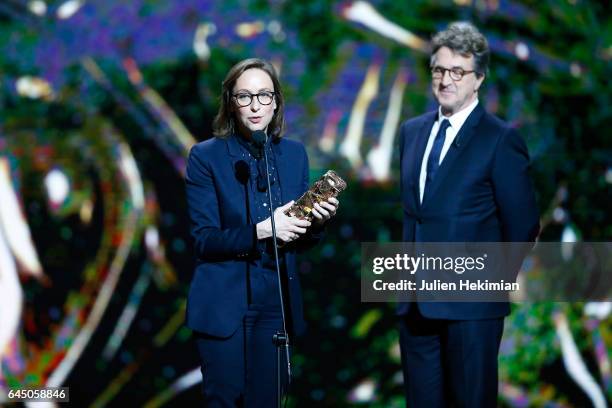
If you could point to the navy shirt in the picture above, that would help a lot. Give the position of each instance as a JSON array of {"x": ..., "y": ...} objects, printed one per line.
[{"x": 263, "y": 281}]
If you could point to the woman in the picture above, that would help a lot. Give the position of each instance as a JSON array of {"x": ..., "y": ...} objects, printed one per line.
[{"x": 233, "y": 304}]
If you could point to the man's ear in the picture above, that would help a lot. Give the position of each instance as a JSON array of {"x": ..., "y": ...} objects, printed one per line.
[{"x": 479, "y": 82}]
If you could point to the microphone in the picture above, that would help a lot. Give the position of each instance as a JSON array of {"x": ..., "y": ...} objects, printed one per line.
[
  {"x": 242, "y": 172},
  {"x": 281, "y": 338},
  {"x": 259, "y": 138},
  {"x": 457, "y": 142}
]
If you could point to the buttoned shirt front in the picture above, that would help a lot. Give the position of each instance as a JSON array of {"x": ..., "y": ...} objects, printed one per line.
[{"x": 456, "y": 122}]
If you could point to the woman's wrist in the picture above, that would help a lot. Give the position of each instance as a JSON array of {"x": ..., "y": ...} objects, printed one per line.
[{"x": 264, "y": 229}]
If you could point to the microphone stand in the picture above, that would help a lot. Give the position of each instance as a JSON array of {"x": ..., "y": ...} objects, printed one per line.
[{"x": 281, "y": 338}]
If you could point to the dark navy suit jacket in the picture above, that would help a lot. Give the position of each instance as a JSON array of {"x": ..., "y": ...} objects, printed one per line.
[
  {"x": 481, "y": 193},
  {"x": 224, "y": 231}
]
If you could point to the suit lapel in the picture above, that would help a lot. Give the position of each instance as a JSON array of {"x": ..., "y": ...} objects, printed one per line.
[
  {"x": 282, "y": 168},
  {"x": 461, "y": 140},
  {"x": 419, "y": 152},
  {"x": 241, "y": 172}
]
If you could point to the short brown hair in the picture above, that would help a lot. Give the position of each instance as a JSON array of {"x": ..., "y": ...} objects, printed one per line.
[
  {"x": 224, "y": 123},
  {"x": 464, "y": 38}
]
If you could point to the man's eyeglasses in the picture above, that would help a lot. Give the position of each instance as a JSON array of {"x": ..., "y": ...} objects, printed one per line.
[
  {"x": 456, "y": 73},
  {"x": 244, "y": 99}
]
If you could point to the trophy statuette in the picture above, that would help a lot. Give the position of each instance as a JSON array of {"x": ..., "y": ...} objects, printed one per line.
[{"x": 329, "y": 185}]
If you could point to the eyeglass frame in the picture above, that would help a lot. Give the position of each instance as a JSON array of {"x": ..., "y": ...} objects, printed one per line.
[
  {"x": 254, "y": 95},
  {"x": 450, "y": 72}
]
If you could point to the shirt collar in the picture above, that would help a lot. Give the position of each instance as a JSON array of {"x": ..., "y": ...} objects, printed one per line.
[
  {"x": 458, "y": 119},
  {"x": 250, "y": 146}
]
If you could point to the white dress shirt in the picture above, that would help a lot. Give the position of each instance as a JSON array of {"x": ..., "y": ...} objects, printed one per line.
[{"x": 456, "y": 121}]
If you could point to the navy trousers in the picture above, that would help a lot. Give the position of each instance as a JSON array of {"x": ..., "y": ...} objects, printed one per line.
[
  {"x": 241, "y": 370},
  {"x": 449, "y": 363}
]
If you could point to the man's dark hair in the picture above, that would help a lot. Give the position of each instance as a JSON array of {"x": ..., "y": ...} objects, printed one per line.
[{"x": 464, "y": 38}]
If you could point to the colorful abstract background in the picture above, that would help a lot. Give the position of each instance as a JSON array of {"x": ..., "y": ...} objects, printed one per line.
[{"x": 101, "y": 101}]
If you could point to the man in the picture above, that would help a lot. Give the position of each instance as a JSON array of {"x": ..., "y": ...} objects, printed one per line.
[{"x": 464, "y": 178}]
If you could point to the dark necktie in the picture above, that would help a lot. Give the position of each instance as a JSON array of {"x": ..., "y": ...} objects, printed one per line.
[{"x": 433, "y": 162}]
